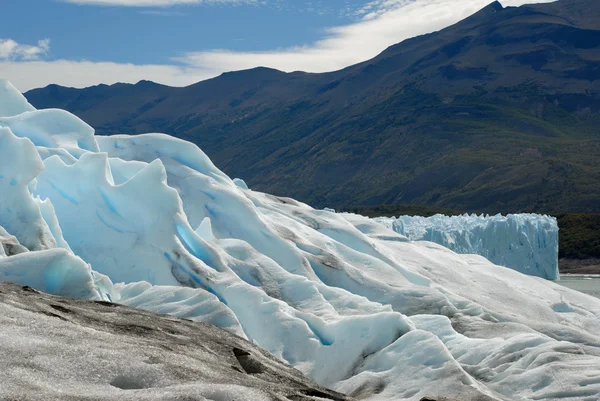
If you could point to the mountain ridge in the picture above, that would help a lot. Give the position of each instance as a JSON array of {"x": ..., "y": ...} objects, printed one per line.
[{"x": 497, "y": 113}]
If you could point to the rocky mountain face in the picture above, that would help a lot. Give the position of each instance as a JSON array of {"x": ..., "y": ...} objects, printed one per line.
[
  {"x": 497, "y": 113},
  {"x": 61, "y": 348}
]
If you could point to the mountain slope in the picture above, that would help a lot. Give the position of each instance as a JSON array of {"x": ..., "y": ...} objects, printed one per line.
[{"x": 497, "y": 113}]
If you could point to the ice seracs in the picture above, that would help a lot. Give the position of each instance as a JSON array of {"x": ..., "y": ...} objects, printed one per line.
[
  {"x": 526, "y": 242},
  {"x": 149, "y": 221},
  {"x": 20, "y": 213}
]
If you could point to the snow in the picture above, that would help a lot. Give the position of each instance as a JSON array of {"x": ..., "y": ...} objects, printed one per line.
[
  {"x": 527, "y": 243},
  {"x": 149, "y": 221}
]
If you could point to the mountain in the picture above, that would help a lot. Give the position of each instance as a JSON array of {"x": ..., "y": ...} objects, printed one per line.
[{"x": 497, "y": 113}]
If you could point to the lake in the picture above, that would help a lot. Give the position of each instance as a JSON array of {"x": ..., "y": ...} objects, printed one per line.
[{"x": 589, "y": 284}]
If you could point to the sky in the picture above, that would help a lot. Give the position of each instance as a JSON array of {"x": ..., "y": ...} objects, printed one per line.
[{"x": 80, "y": 43}]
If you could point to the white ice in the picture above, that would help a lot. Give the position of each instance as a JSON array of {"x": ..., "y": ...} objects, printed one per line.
[{"x": 149, "y": 221}]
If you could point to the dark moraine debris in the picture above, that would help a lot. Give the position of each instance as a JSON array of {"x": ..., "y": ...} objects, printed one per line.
[
  {"x": 55, "y": 348},
  {"x": 437, "y": 399},
  {"x": 479, "y": 398}
]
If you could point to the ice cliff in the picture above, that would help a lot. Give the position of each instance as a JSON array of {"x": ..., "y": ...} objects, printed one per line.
[
  {"x": 148, "y": 221},
  {"x": 527, "y": 243}
]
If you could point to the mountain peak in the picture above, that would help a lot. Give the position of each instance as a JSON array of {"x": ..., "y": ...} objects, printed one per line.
[
  {"x": 494, "y": 6},
  {"x": 488, "y": 10},
  {"x": 146, "y": 83},
  {"x": 256, "y": 72}
]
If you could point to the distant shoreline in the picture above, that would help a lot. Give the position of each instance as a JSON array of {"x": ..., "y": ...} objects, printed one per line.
[{"x": 590, "y": 266}]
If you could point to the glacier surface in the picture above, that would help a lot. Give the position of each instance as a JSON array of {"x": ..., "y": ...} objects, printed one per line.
[
  {"x": 527, "y": 243},
  {"x": 149, "y": 221}
]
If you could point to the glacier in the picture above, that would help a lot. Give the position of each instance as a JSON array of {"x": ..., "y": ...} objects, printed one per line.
[
  {"x": 524, "y": 242},
  {"x": 148, "y": 221}
]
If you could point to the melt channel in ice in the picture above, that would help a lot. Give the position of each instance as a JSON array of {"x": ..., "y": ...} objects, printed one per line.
[
  {"x": 149, "y": 221},
  {"x": 525, "y": 242}
]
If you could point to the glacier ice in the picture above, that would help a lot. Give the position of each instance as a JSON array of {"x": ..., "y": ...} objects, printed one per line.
[
  {"x": 149, "y": 221},
  {"x": 525, "y": 242},
  {"x": 12, "y": 103},
  {"x": 20, "y": 214},
  {"x": 56, "y": 271},
  {"x": 240, "y": 183}
]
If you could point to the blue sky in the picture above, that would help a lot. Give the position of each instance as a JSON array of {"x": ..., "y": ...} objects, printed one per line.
[{"x": 178, "y": 42}]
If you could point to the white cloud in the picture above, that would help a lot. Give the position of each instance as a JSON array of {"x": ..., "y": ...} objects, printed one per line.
[
  {"x": 382, "y": 23},
  {"x": 517, "y": 3},
  {"x": 157, "y": 3},
  {"x": 11, "y": 50}
]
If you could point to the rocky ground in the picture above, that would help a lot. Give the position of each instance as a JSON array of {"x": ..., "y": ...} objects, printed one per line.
[
  {"x": 579, "y": 266},
  {"x": 60, "y": 348}
]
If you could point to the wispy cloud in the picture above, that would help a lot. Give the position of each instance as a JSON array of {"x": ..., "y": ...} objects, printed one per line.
[
  {"x": 158, "y": 3},
  {"x": 380, "y": 24},
  {"x": 163, "y": 13},
  {"x": 376, "y": 8},
  {"x": 11, "y": 50}
]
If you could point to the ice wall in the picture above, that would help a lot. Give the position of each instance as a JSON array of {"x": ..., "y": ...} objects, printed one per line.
[{"x": 527, "y": 243}]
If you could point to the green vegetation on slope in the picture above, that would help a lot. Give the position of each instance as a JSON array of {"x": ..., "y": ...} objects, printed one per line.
[
  {"x": 498, "y": 113},
  {"x": 579, "y": 236}
]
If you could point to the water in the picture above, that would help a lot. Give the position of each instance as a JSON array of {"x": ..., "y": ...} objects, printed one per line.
[{"x": 589, "y": 284}]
